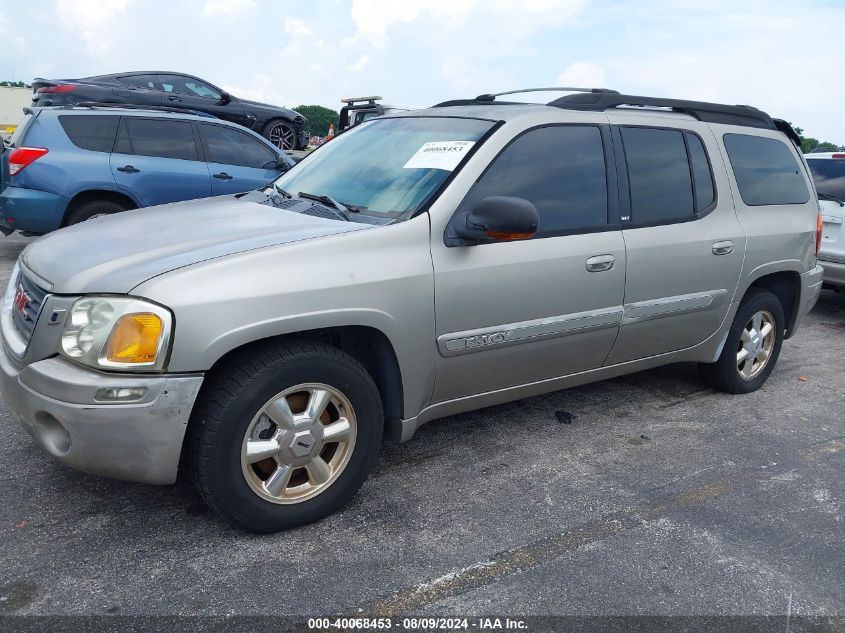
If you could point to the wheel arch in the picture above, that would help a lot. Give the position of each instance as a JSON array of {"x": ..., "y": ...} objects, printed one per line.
[
  {"x": 785, "y": 284},
  {"x": 89, "y": 195}
]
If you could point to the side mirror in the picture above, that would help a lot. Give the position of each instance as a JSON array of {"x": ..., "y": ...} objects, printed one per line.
[
  {"x": 282, "y": 163},
  {"x": 225, "y": 98},
  {"x": 497, "y": 218}
]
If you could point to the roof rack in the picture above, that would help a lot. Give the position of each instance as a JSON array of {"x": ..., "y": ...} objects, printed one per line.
[
  {"x": 490, "y": 99},
  {"x": 132, "y": 106},
  {"x": 701, "y": 110}
]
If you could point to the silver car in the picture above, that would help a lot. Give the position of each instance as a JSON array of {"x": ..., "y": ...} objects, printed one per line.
[
  {"x": 828, "y": 171},
  {"x": 417, "y": 266}
]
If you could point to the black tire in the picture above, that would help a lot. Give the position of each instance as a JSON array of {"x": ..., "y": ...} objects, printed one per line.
[
  {"x": 237, "y": 391},
  {"x": 725, "y": 374},
  {"x": 287, "y": 131},
  {"x": 92, "y": 208}
]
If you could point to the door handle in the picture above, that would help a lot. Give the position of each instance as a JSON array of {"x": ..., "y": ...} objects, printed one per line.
[
  {"x": 725, "y": 247},
  {"x": 128, "y": 169},
  {"x": 173, "y": 98},
  {"x": 600, "y": 263},
  {"x": 223, "y": 176}
]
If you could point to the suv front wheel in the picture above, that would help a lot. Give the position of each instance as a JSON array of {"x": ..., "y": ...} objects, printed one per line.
[
  {"x": 285, "y": 436},
  {"x": 752, "y": 347}
]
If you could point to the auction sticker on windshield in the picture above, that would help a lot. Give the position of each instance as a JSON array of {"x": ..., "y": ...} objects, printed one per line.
[{"x": 439, "y": 155}]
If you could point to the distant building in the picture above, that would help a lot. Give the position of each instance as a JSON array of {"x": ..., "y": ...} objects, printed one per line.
[{"x": 12, "y": 103}]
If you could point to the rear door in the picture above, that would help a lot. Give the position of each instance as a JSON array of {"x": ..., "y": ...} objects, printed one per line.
[
  {"x": 683, "y": 241},
  {"x": 829, "y": 177},
  {"x": 236, "y": 160},
  {"x": 158, "y": 160}
]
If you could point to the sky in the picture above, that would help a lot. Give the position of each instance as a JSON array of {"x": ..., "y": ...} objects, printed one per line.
[{"x": 783, "y": 57}]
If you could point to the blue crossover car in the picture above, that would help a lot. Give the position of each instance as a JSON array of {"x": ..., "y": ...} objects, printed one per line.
[{"x": 68, "y": 164}]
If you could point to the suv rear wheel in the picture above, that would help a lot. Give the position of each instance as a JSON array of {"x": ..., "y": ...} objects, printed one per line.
[
  {"x": 286, "y": 435},
  {"x": 94, "y": 209},
  {"x": 752, "y": 347}
]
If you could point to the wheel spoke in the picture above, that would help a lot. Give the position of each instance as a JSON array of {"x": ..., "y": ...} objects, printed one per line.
[
  {"x": 318, "y": 471},
  {"x": 748, "y": 368},
  {"x": 758, "y": 321},
  {"x": 766, "y": 330},
  {"x": 337, "y": 431},
  {"x": 745, "y": 337},
  {"x": 317, "y": 403},
  {"x": 279, "y": 412},
  {"x": 741, "y": 356},
  {"x": 762, "y": 356},
  {"x": 259, "y": 450},
  {"x": 278, "y": 481}
]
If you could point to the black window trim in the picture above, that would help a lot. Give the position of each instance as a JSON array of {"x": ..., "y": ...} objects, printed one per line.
[
  {"x": 207, "y": 151},
  {"x": 800, "y": 161},
  {"x": 625, "y": 187},
  {"x": 197, "y": 139},
  {"x": 613, "y": 211}
]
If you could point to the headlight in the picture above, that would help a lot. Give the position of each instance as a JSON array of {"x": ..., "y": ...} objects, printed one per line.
[{"x": 117, "y": 333}]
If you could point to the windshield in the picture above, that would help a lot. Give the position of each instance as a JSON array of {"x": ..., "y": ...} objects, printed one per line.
[
  {"x": 829, "y": 175},
  {"x": 386, "y": 167}
]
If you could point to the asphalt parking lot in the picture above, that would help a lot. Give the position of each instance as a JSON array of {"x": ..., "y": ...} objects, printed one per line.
[{"x": 648, "y": 494}]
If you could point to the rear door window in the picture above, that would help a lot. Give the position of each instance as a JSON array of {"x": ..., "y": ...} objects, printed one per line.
[
  {"x": 766, "y": 171},
  {"x": 658, "y": 174},
  {"x": 141, "y": 81},
  {"x": 231, "y": 147},
  {"x": 163, "y": 138},
  {"x": 179, "y": 84},
  {"x": 561, "y": 170},
  {"x": 91, "y": 132},
  {"x": 829, "y": 176}
]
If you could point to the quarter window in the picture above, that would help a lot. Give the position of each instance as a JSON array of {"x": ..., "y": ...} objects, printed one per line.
[
  {"x": 92, "y": 132},
  {"x": 766, "y": 170},
  {"x": 231, "y": 147},
  {"x": 140, "y": 81},
  {"x": 560, "y": 169},
  {"x": 658, "y": 175},
  {"x": 705, "y": 194},
  {"x": 182, "y": 85},
  {"x": 162, "y": 138},
  {"x": 829, "y": 175}
]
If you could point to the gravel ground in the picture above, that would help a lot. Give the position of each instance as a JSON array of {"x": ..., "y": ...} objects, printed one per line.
[{"x": 648, "y": 494}]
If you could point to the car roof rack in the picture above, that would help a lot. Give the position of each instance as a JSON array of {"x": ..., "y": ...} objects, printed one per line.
[
  {"x": 354, "y": 100},
  {"x": 132, "y": 106},
  {"x": 701, "y": 110},
  {"x": 490, "y": 99}
]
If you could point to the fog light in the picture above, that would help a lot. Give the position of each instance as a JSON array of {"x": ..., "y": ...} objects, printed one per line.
[{"x": 120, "y": 394}]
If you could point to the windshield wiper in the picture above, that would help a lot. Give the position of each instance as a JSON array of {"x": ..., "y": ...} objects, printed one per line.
[
  {"x": 329, "y": 201},
  {"x": 827, "y": 196}
]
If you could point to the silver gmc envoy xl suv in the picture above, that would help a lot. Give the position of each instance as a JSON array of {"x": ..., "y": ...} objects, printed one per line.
[{"x": 417, "y": 266}]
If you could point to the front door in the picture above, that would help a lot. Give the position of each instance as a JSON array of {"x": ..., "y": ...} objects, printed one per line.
[
  {"x": 237, "y": 161},
  {"x": 157, "y": 161},
  {"x": 512, "y": 313},
  {"x": 684, "y": 243},
  {"x": 189, "y": 93}
]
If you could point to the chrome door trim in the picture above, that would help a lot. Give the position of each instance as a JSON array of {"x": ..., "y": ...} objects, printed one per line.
[
  {"x": 478, "y": 340},
  {"x": 670, "y": 306}
]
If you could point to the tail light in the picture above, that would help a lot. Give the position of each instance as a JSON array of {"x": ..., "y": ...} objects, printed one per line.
[
  {"x": 838, "y": 156},
  {"x": 819, "y": 227},
  {"x": 23, "y": 156},
  {"x": 56, "y": 89}
]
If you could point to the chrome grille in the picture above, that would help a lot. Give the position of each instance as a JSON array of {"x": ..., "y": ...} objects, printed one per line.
[{"x": 24, "y": 319}]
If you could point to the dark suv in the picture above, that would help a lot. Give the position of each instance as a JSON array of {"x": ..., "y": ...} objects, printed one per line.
[{"x": 286, "y": 129}]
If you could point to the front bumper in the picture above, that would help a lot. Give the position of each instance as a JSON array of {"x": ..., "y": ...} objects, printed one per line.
[
  {"x": 811, "y": 288},
  {"x": 138, "y": 441},
  {"x": 834, "y": 272}
]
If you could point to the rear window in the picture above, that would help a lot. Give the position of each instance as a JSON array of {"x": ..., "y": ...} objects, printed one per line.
[
  {"x": 95, "y": 133},
  {"x": 163, "y": 138},
  {"x": 829, "y": 176},
  {"x": 766, "y": 171}
]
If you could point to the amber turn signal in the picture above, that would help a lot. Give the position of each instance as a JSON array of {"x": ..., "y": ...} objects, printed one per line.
[{"x": 135, "y": 339}]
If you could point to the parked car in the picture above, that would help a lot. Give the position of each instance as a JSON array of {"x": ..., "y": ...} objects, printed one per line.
[
  {"x": 415, "y": 267},
  {"x": 356, "y": 110},
  {"x": 70, "y": 164},
  {"x": 285, "y": 128},
  {"x": 828, "y": 170}
]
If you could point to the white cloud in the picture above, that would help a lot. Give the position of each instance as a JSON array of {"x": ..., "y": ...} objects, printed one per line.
[
  {"x": 93, "y": 19},
  {"x": 362, "y": 63},
  {"x": 226, "y": 7},
  {"x": 583, "y": 75},
  {"x": 298, "y": 27},
  {"x": 373, "y": 18}
]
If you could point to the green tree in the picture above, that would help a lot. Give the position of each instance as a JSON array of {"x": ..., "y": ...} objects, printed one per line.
[
  {"x": 808, "y": 143},
  {"x": 319, "y": 118},
  {"x": 14, "y": 84}
]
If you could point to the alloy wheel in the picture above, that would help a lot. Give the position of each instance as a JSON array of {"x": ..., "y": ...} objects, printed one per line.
[
  {"x": 282, "y": 136},
  {"x": 755, "y": 345}
]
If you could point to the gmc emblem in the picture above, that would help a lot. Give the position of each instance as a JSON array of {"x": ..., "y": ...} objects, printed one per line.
[{"x": 22, "y": 300}]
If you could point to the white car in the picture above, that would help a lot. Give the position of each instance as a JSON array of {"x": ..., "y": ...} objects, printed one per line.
[{"x": 828, "y": 170}]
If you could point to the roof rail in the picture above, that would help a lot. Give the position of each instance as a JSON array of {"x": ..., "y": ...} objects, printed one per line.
[
  {"x": 487, "y": 99},
  {"x": 701, "y": 110},
  {"x": 132, "y": 106}
]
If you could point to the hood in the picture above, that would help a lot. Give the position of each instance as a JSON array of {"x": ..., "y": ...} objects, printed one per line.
[
  {"x": 292, "y": 114},
  {"x": 115, "y": 253}
]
